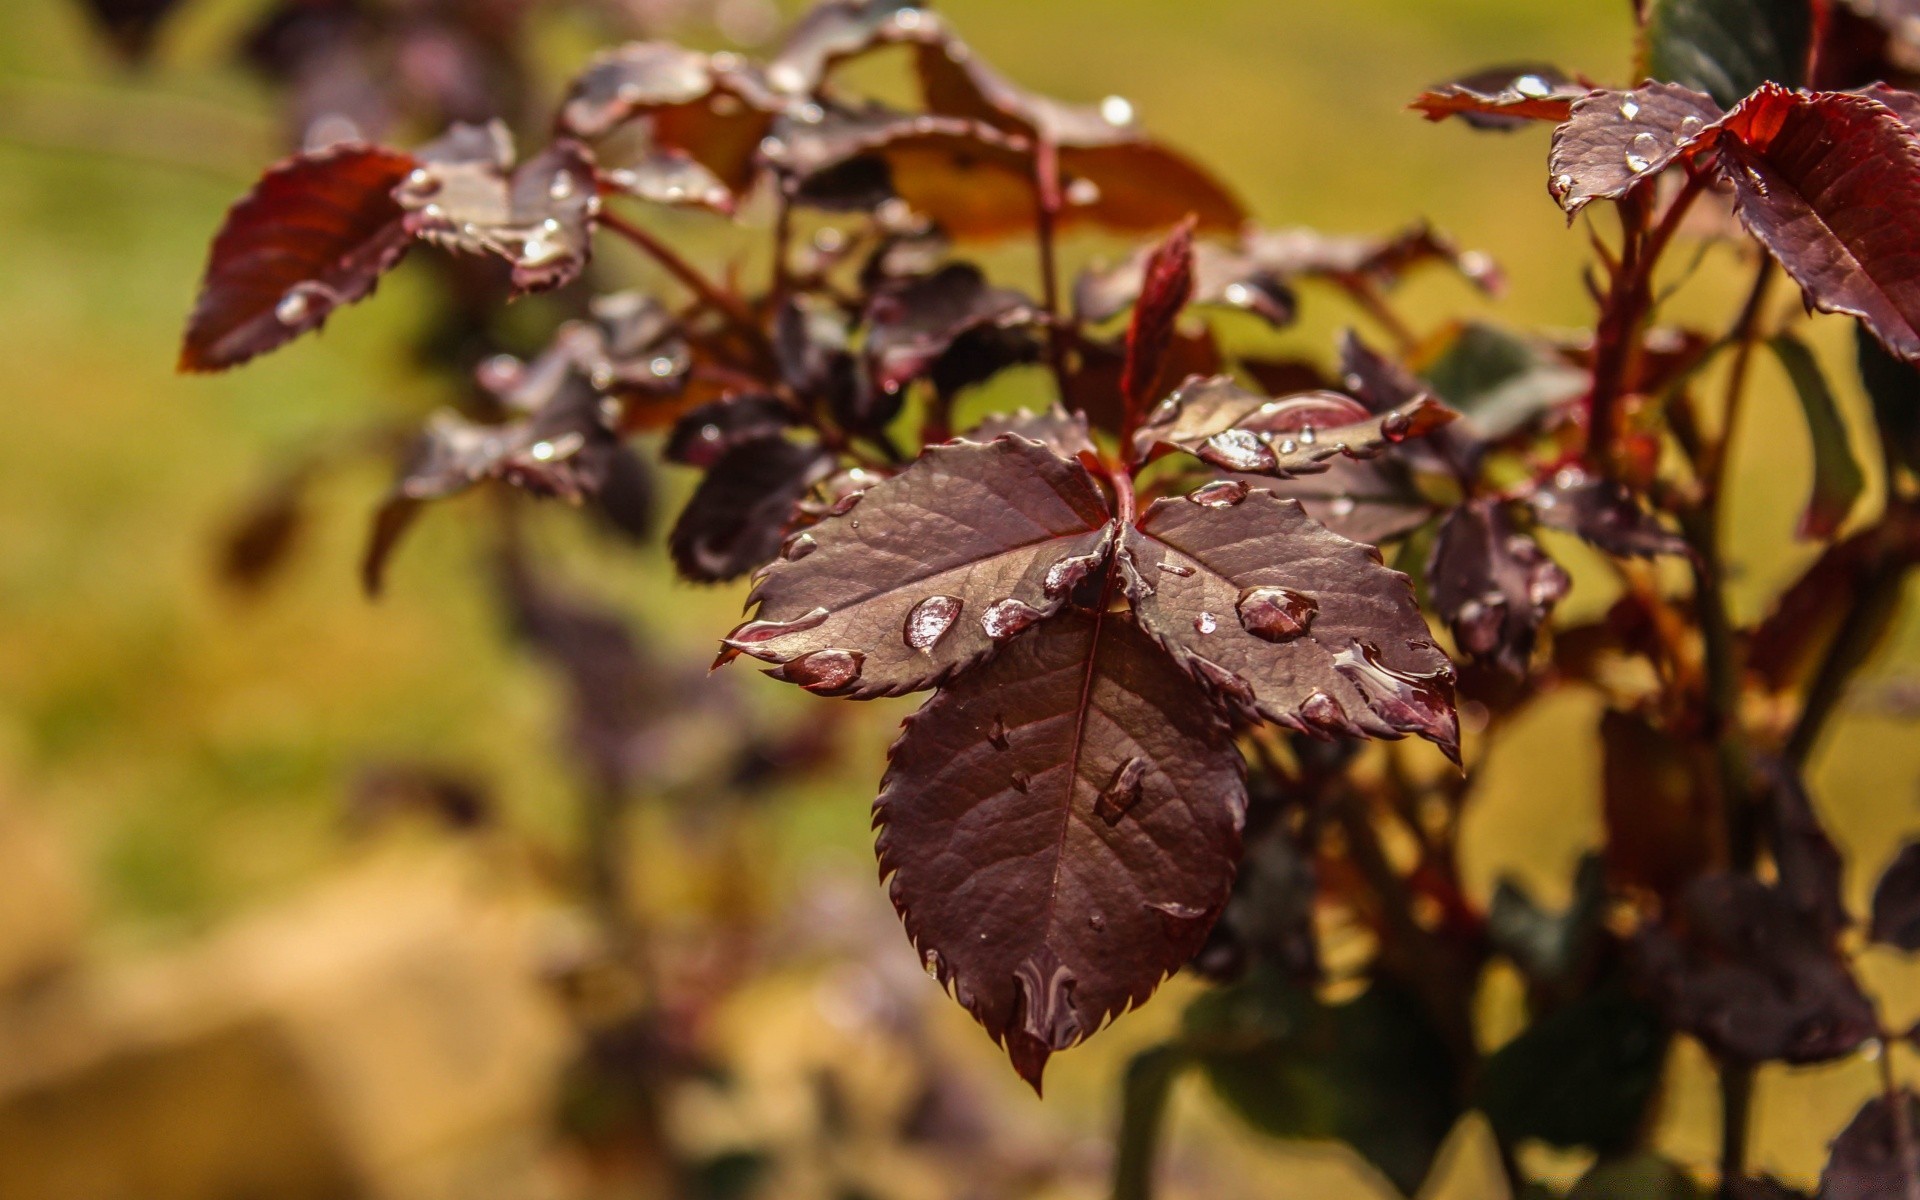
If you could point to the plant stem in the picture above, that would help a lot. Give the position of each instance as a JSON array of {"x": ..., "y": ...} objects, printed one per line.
[
  {"x": 709, "y": 292},
  {"x": 1736, "y": 1119},
  {"x": 1046, "y": 180},
  {"x": 1149, "y": 1083},
  {"x": 1742, "y": 337}
]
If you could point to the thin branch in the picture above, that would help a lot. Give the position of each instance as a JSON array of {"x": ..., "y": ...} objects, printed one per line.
[
  {"x": 710, "y": 293},
  {"x": 1046, "y": 179}
]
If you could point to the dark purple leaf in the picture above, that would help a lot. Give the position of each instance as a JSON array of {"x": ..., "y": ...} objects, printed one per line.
[
  {"x": 637, "y": 350},
  {"x": 1058, "y": 430},
  {"x": 1830, "y": 183},
  {"x": 316, "y": 233},
  {"x": 671, "y": 177},
  {"x": 539, "y": 217},
  {"x": 704, "y": 434},
  {"x": 262, "y": 538},
  {"x": 833, "y": 32},
  {"x": 1896, "y": 901},
  {"x": 1229, "y": 427},
  {"x": 1372, "y": 502},
  {"x": 1615, "y": 141},
  {"x": 1061, "y": 828},
  {"x": 1166, "y": 287},
  {"x": 738, "y": 517},
  {"x": 1285, "y": 619},
  {"x": 626, "y": 503},
  {"x": 1504, "y": 98},
  {"x": 631, "y": 80},
  {"x": 1789, "y": 645},
  {"x": 912, "y": 324},
  {"x": 1493, "y": 585},
  {"x": 1838, "y": 481},
  {"x": 1877, "y": 1156},
  {"x": 1605, "y": 513},
  {"x": 1811, "y": 872},
  {"x": 929, "y": 571},
  {"x": 1754, "y": 978}
]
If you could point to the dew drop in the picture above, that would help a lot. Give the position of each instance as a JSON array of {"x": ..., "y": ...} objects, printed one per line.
[
  {"x": 1641, "y": 152},
  {"x": 825, "y": 671},
  {"x": 1568, "y": 478},
  {"x": 1289, "y": 446},
  {"x": 1206, "y": 622},
  {"x": 1096, "y": 922},
  {"x": 1177, "y": 570},
  {"x": 1563, "y": 184},
  {"x": 929, "y": 620},
  {"x": 1308, "y": 435},
  {"x": 755, "y": 633},
  {"x": 1122, "y": 791},
  {"x": 562, "y": 187},
  {"x": 811, "y": 114},
  {"x": 294, "y": 307},
  {"x": 1629, "y": 108},
  {"x": 1239, "y": 295},
  {"x": 1479, "y": 622},
  {"x": 1342, "y": 506},
  {"x": 931, "y": 961},
  {"x": 997, "y": 734},
  {"x": 1275, "y": 614},
  {"x": 500, "y": 373},
  {"x": 1045, "y": 988},
  {"x": 1117, "y": 110},
  {"x": 1532, "y": 87},
  {"x": 1008, "y": 618},
  {"x": 1325, "y": 712},
  {"x": 1395, "y": 426},
  {"x": 1021, "y": 782},
  {"x": 1222, "y": 681},
  {"x": 542, "y": 452},
  {"x": 1224, "y": 494},
  {"x": 1176, "y": 910},
  {"x": 1690, "y": 127},
  {"x": 799, "y": 547},
  {"x": 1238, "y": 450},
  {"x": 1065, "y": 575}
]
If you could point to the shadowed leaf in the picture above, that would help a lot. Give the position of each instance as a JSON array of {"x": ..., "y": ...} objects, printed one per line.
[
  {"x": 1605, "y": 513},
  {"x": 1727, "y": 48},
  {"x": 1581, "y": 1075},
  {"x": 1877, "y": 1156},
  {"x": 1810, "y": 869},
  {"x": 1060, "y": 827},
  {"x": 315, "y": 234},
  {"x": 1642, "y": 1176},
  {"x": 1058, "y": 430},
  {"x": 1499, "y": 383},
  {"x": 1894, "y": 388},
  {"x": 1896, "y": 901},
  {"x": 738, "y": 517},
  {"x": 704, "y": 434},
  {"x": 910, "y": 325},
  {"x": 1493, "y": 585},
  {"x": 1838, "y": 481}
]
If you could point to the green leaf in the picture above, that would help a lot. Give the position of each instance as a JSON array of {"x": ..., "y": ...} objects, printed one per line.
[
  {"x": 1143, "y": 1106},
  {"x": 1371, "y": 1073},
  {"x": 1499, "y": 382},
  {"x": 1894, "y": 388},
  {"x": 1580, "y": 1076},
  {"x": 1548, "y": 947},
  {"x": 1727, "y": 48},
  {"x": 1837, "y": 478},
  {"x": 1640, "y": 1177}
]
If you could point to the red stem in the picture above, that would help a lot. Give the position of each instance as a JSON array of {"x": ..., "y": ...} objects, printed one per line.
[
  {"x": 1046, "y": 180},
  {"x": 709, "y": 292}
]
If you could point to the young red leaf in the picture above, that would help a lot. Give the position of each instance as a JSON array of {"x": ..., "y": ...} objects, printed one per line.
[
  {"x": 1503, "y": 98},
  {"x": 929, "y": 571},
  {"x": 1222, "y": 423},
  {"x": 1896, "y": 901},
  {"x": 1615, "y": 141},
  {"x": 1493, "y": 585},
  {"x": 1877, "y": 1156},
  {"x": 1288, "y": 620},
  {"x": 1061, "y": 828},
  {"x": 1838, "y": 481},
  {"x": 316, "y": 233},
  {"x": 739, "y": 515},
  {"x": 1167, "y": 286},
  {"x": 1830, "y": 184}
]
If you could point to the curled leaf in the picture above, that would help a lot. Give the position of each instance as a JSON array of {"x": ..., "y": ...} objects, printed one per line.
[
  {"x": 1493, "y": 585},
  {"x": 1222, "y": 423},
  {"x": 1504, "y": 98},
  {"x": 1167, "y": 287}
]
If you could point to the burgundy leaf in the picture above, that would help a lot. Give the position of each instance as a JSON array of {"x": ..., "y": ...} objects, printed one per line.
[
  {"x": 671, "y": 177},
  {"x": 929, "y": 571},
  {"x": 1378, "y": 261},
  {"x": 637, "y": 350},
  {"x": 832, "y": 32},
  {"x": 1810, "y": 870},
  {"x": 392, "y": 521},
  {"x": 1167, "y": 286},
  {"x": 1504, "y": 97},
  {"x": 261, "y": 539},
  {"x": 1222, "y": 276},
  {"x": 1061, "y": 828},
  {"x": 1830, "y": 184},
  {"x": 315, "y": 234},
  {"x": 1373, "y": 501},
  {"x": 1286, "y": 619},
  {"x": 1058, "y": 430},
  {"x": 629, "y": 80},
  {"x": 1754, "y": 978},
  {"x": 1493, "y": 585},
  {"x": 738, "y": 517},
  {"x": 1789, "y": 645},
  {"x": 704, "y": 434},
  {"x": 1605, "y": 513},
  {"x": 1877, "y": 1156},
  {"x": 539, "y": 218},
  {"x": 1616, "y": 140},
  {"x": 1229, "y": 427},
  {"x": 1896, "y": 901},
  {"x": 912, "y": 324}
]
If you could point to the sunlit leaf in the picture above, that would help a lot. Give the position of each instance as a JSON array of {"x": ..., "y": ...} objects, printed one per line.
[
  {"x": 1614, "y": 141},
  {"x": 1504, "y": 98},
  {"x": 1229, "y": 427}
]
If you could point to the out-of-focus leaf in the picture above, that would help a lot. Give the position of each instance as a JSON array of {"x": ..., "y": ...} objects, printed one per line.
[
  {"x": 1614, "y": 141},
  {"x": 1896, "y": 901},
  {"x": 1837, "y": 479},
  {"x": 738, "y": 517},
  {"x": 1605, "y": 513},
  {"x": 1143, "y": 1104},
  {"x": 1283, "y": 618},
  {"x": 1222, "y": 276},
  {"x": 1167, "y": 286},
  {"x": 1504, "y": 98},
  {"x": 1371, "y": 1072},
  {"x": 625, "y": 503},
  {"x": 1636, "y": 1177},
  {"x": 1790, "y": 643},
  {"x": 1753, "y": 977},
  {"x": 1659, "y": 806},
  {"x": 1827, "y": 181},
  {"x": 1894, "y": 388},
  {"x": 1810, "y": 869},
  {"x": 1550, "y": 948},
  {"x": 1493, "y": 585},
  {"x": 837, "y": 30},
  {"x": 1269, "y": 920},
  {"x": 1764, "y": 1188},
  {"x": 929, "y": 571},
  {"x": 910, "y": 325},
  {"x": 538, "y": 217},
  {"x": 131, "y": 24},
  {"x": 1875, "y": 1157},
  {"x": 316, "y": 233},
  {"x": 705, "y": 434},
  {"x": 1226, "y": 426},
  {"x": 263, "y": 536},
  {"x": 1727, "y": 48},
  {"x": 382, "y": 793},
  {"x": 1499, "y": 383},
  {"x": 1582, "y": 1075},
  {"x": 1060, "y": 827}
]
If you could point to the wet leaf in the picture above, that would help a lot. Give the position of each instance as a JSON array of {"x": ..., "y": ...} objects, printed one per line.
[
  {"x": 1581, "y": 1075},
  {"x": 1167, "y": 286},
  {"x": 1060, "y": 431},
  {"x": 931, "y": 570},
  {"x": 1060, "y": 827},
  {"x": 1875, "y": 1156},
  {"x": 912, "y": 324},
  {"x": 838, "y": 30},
  {"x": 631, "y": 80},
  {"x": 1896, "y": 901},
  {"x": 1753, "y": 977},
  {"x": 1493, "y": 585},
  {"x": 1371, "y": 1073},
  {"x": 538, "y": 217},
  {"x": 1223, "y": 424},
  {"x": 705, "y": 434},
  {"x": 1828, "y": 182},
  {"x": 315, "y": 234},
  {"x": 1614, "y": 141},
  {"x": 1504, "y": 98},
  {"x": 738, "y": 517},
  {"x": 1605, "y": 513},
  {"x": 1838, "y": 481},
  {"x": 1286, "y": 619},
  {"x": 1727, "y": 48}
]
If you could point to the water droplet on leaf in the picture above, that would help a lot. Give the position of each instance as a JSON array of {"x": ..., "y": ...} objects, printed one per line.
[
  {"x": 1238, "y": 450},
  {"x": 1008, "y": 618},
  {"x": 1122, "y": 791},
  {"x": 825, "y": 671},
  {"x": 1276, "y": 614},
  {"x": 1224, "y": 494},
  {"x": 929, "y": 620}
]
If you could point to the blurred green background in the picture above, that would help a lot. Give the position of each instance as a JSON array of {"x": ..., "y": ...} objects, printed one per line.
[{"x": 186, "y": 751}]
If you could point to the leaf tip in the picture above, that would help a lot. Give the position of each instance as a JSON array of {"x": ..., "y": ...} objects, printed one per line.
[{"x": 1029, "y": 1054}]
